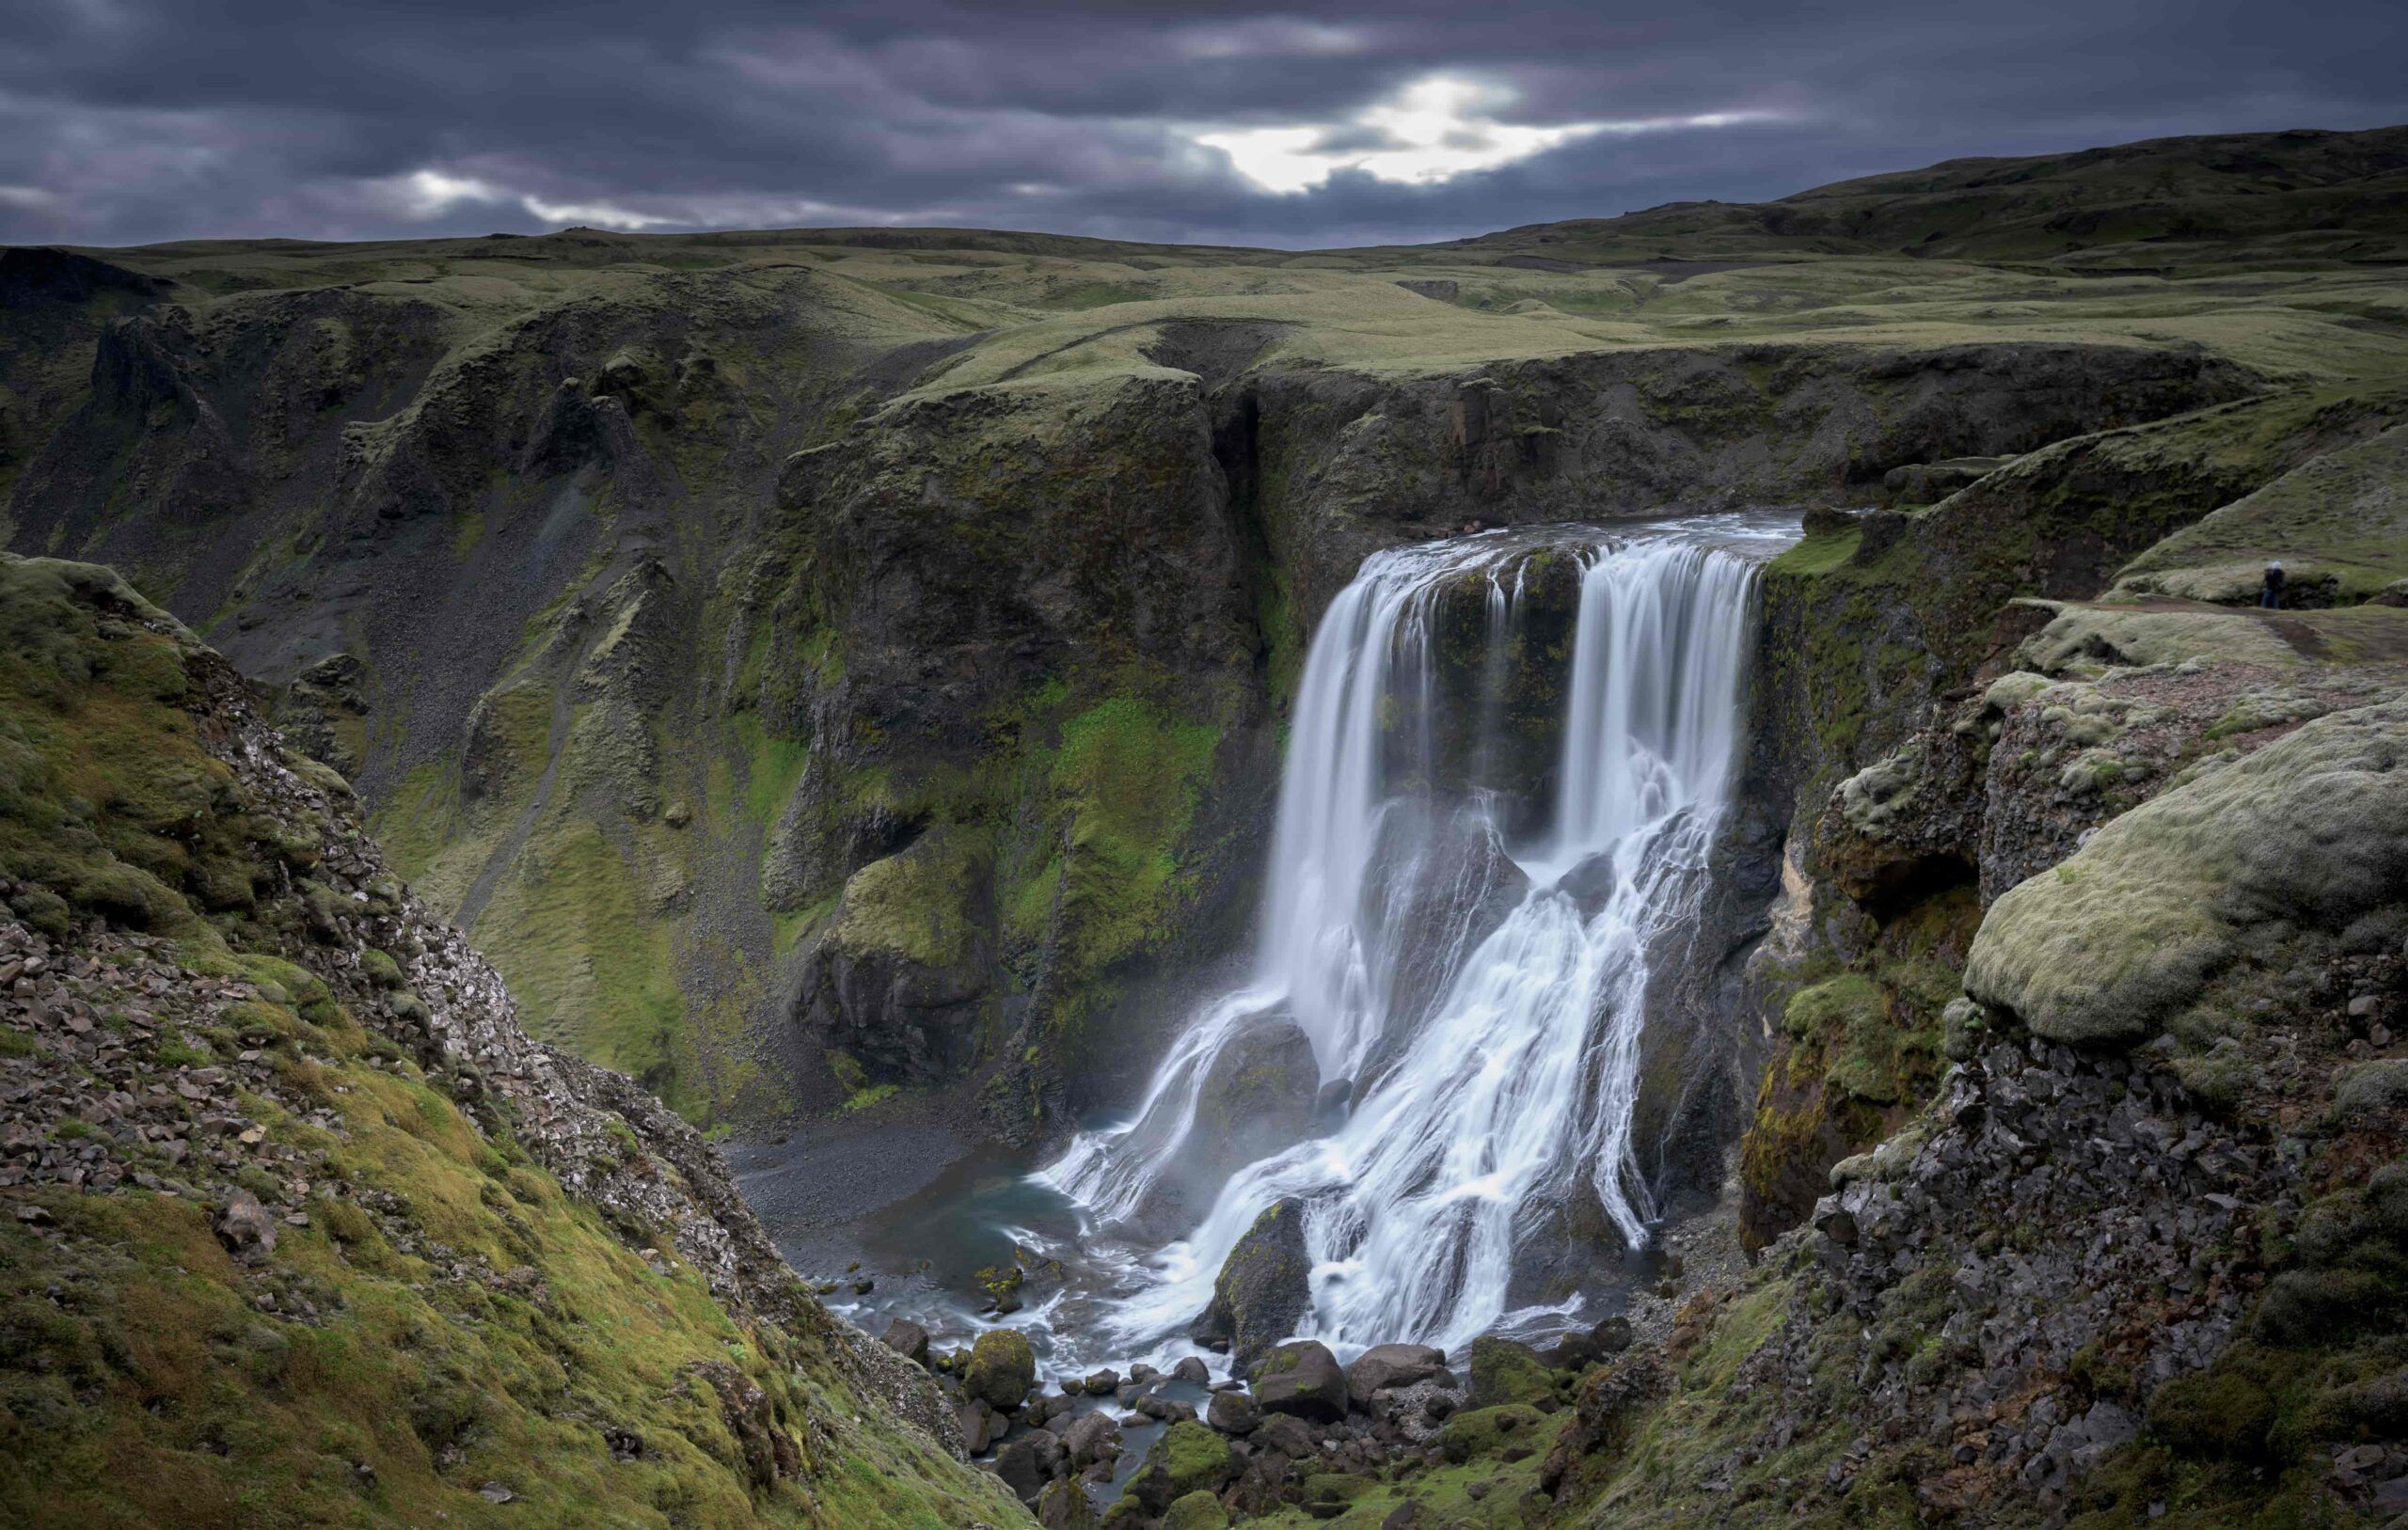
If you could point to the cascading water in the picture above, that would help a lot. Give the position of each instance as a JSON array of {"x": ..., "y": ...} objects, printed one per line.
[{"x": 1493, "y": 1056}]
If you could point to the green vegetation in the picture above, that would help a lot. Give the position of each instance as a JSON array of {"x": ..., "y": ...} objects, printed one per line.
[{"x": 440, "y": 1330}]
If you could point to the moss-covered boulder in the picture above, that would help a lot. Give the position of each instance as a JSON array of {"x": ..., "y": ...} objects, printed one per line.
[
  {"x": 2306, "y": 837},
  {"x": 1301, "y": 1379},
  {"x": 1199, "y": 1510},
  {"x": 1483, "y": 1431},
  {"x": 1504, "y": 1372},
  {"x": 1264, "y": 1288},
  {"x": 1002, "y": 1369},
  {"x": 1188, "y": 1459}
]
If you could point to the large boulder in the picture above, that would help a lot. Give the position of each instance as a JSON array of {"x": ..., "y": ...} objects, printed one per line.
[
  {"x": 1265, "y": 1289},
  {"x": 2305, "y": 839},
  {"x": 1503, "y": 1371},
  {"x": 1391, "y": 1364},
  {"x": 1188, "y": 1459},
  {"x": 1002, "y": 1369},
  {"x": 1302, "y": 1381},
  {"x": 1256, "y": 1097}
]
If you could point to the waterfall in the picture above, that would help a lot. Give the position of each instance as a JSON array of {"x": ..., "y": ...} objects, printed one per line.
[{"x": 1493, "y": 1048}]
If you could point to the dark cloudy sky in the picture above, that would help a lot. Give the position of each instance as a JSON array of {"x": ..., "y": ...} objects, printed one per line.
[{"x": 133, "y": 120}]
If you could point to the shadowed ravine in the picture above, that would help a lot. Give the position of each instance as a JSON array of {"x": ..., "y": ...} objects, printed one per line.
[{"x": 1480, "y": 992}]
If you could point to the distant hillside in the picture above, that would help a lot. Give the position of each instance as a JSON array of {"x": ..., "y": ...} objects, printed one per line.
[{"x": 2340, "y": 196}]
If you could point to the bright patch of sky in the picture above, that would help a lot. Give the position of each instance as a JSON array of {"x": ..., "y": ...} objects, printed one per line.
[{"x": 1434, "y": 130}]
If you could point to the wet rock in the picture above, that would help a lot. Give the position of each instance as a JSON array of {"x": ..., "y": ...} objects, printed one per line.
[
  {"x": 1264, "y": 1287},
  {"x": 1092, "y": 1437},
  {"x": 1187, "y": 1458},
  {"x": 1198, "y": 1510},
  {"x": 980, "y": 1425},
  {"x": 1002, "y": 1369},
  {"x": 1301, "y": 1379},
  {"x": 1611, "y": 1335},
  {"x": 1255, "y": 1098},
  {"x": 1193, "y": 1371},
  {"x": 1101, "y": 1384}
]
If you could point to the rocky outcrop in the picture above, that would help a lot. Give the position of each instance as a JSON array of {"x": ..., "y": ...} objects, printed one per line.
[
  {"x": 1255, "y": 1098},
  {"x": 1264, "y": 1290}
]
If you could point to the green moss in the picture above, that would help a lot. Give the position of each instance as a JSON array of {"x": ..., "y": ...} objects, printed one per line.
[{"x": 588, "y": 960}]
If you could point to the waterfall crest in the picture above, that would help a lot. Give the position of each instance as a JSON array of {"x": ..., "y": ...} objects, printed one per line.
[{"x": 1491, "y": 1043}]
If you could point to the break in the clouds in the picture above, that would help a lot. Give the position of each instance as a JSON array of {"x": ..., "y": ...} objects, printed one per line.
[{"x": 1312, "y": 123}]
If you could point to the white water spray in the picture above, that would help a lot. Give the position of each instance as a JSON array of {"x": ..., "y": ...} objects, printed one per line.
[{"x": 1514, "y": 1077}]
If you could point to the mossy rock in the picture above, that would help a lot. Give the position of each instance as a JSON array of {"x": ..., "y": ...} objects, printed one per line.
[
  {"x": 1504, "y": 1372},
  {"x": 1198, "y": 1510},
  {"x": 1483, "y": 1431},
  {"x": 1002, "y": 1369},
  {"x": 2222, "y": 1415},
  {"x": 2307, "y": 835}
]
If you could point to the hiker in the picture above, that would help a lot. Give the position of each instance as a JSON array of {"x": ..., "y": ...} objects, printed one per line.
[{"x": 2272, "y": 596}]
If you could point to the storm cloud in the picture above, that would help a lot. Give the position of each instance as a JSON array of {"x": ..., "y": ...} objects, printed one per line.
[{"x": 127, "y": 121}]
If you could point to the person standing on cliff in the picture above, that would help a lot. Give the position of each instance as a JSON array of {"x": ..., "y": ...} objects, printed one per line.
[{"x": 2272, "y": 596}]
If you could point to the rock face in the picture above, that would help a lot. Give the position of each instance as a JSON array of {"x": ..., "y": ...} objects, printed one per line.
[
  {"x": 1265, "y": 1289},
  {"x": 228, "y": 1025},
  {"x": 1256, "y": 1097},
  {"x": 902, "y": 983}
]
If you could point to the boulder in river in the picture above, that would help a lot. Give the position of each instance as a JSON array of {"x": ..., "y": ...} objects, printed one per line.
[
  {"x": 1302, "y": 1381},
  {"x": 1002, "y": 1369},
  {"x": 1063, "y": 1506},
  {"x": 1265, "y": 1289}
]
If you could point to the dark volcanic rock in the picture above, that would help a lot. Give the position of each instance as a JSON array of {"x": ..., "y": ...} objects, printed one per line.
[
  {"x": 1391, "y": 1364},
  {"x": 1265, "y": 1289},
  {"x": 1301, "y": 1379},
  {"x": 1257, "y": 1098}
]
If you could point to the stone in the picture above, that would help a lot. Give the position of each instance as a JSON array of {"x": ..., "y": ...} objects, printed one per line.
[
  {"x": 1027, "y": 1464},
  {"x": 1198, "y": 1510},
  {"x": 1233, "y": 1412},
  {"x": 1611, "y": 1335},
  {"x": 1256, "y": 1098},
  {"x": 1101, "y": 1384},
  {"x": 1264, "y": 1288},
  {"x": 1503, "y": 1371},
  {"x": 1301, "y": 1379},
  {"x": 246, "y": 1229},
  {"x": 1191, "y": 1370},
  {"x": 1002, "y": 1369},
  {"x": 1391, "y": 1366},
  {"x": 1091, "y": 1438},
  {"x": 1064, "y": 1505},
  {"x": 908, "y": 1339}
]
